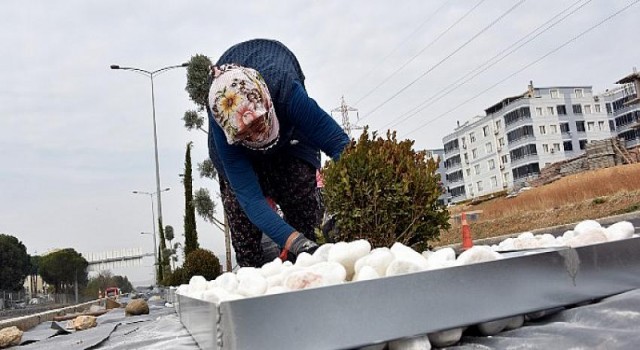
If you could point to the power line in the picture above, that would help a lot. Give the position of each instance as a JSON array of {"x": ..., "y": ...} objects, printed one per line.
[
  {"x": 433, "y": 14},
  {"x": 479, "y": 69},
  {"x": 420, "y": 52},
  {"x": 447, "y": 57},
  {"x": 528, "y": 65}
]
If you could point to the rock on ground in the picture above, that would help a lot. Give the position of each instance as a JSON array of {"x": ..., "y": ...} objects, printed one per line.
[
  {"x": 10, "y": 336},
  {"x": 84, "y": 322},
  {"x": 137, "y": 307}
]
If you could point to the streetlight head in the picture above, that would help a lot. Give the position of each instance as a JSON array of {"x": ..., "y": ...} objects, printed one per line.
[
  {"x": 115, "y": 66},
  {"x": 167, "y": 189},
  {"x": 186, "y": 64},
  {"x": 136, "y": 192}
]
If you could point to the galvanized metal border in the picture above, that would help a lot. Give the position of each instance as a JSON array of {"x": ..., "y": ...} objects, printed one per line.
[{"x": 368, "y": 312}]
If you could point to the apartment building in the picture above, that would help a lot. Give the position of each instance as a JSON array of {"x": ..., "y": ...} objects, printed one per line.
[
  {"x": 520, "y": 135},
  {"x": 623, "y": 105}
]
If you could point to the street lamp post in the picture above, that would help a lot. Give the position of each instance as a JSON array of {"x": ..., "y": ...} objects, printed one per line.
[
  {"x": 151, "y": 74},
  {"x": 155, "y": 254},
  {"x": 153, "y": 225}
]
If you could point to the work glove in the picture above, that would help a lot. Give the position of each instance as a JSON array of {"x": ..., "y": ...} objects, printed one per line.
[{"x": 296, "y": 244}]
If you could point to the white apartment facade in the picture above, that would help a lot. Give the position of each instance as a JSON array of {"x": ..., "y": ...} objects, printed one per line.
[{"x": 519, "y": 136}]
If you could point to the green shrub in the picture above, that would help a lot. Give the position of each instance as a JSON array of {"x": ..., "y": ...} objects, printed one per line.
[
  {"x": 599, "y": 200},
  {"x": 176, "y": 278},
  {"x": 384, "y": 191},
  {"x": 201, "y": 262}
]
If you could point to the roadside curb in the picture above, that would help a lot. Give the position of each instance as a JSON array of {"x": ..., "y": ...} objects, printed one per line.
[
  {"x": 27, "y": 322},
  {"x": 495, "y": 240}
]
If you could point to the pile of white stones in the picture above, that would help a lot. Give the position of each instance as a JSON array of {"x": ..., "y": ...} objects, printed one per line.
[{"x": 346, "y": 262}]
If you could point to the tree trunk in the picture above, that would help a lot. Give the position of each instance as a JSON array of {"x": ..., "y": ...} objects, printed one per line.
[{"x": 227, "y": 242}]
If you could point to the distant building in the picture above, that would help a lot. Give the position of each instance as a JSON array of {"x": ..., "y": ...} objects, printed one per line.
[
  {"x": 518, "y": 136},
  {"x": 438, "y": 156},
  {"x": 623, "y": 104}
]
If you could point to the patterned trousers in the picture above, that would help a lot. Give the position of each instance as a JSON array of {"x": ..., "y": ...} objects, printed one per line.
[{"x": 291, "y": 183}]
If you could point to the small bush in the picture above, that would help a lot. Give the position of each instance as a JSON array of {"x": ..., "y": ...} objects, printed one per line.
[
  {"x": 201, "y": 262},
  {"x": 384, "y": 191}
]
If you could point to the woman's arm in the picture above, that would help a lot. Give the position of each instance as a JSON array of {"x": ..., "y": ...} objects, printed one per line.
[{"x": 245, "y": 185}]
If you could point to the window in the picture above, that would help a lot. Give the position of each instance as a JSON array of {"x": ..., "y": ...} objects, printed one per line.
[
  {"x": 550, "y": 111},
  {"x": 609, "y": 110},
  {"x": 612, "y": 126},
  {"x": 578, "y": 93},
  {"x": 554, "y": 93},
  {"x": 583, "y": 144},
  {"x": 562, "y": 110},
  {"x": 553, "y": 129},
  {"x": 587, "y": 109},
  {"x": 492, "y": 164},
  {"x": 474, "y": 153},
  {"x": 543, "y": 130},
  {"x": 568, "y": 146},
  {"x": 596, "y": 108},
  {"x": 577, "y": 109},
  {"x": 545, "y": 148},
  {"x": 505, "y": 159},
  {"x": 538, "y": 111},
  {"x": 601, "y": 125},
  {"x": 501, "y": 141},
  {"x": 485, "y": 130},
  {"x": 580, "y": 126},
  {"x": 498, "y": 124},
  {"x": 564, "y": 128},
  {"x": 494, "y": 182},
  {"x": 479, "y": 185},
  {"x": 505, "y": 177},
  {"x": 556, "y": 147},
  {"x": 471, "y": 189},
  {"x": 488, "y": 147},
  {"x": 477, "y": 169},
  {"x": 468, "y": 171},
  {"x": 472, "y": 137},
  {"x": 516, "y": 115},
  {"x": 464, "y": 142},
  {"x": 466, "y": 158},
  {"x": 591, "y": 126}
]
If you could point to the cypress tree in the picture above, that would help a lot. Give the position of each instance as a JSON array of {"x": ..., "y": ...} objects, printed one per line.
[{"x": 190, "y": 233}]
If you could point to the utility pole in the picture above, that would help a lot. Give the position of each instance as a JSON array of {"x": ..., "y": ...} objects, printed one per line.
[{"x": 344, "y": 110}]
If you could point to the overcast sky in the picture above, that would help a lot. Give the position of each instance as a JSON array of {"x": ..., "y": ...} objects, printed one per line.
[{"x": 76, "y": 137}]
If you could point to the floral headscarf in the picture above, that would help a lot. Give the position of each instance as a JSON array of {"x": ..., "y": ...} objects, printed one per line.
[{"x": 241, "y": 104}]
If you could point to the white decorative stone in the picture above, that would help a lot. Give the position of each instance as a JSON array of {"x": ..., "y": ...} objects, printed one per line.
[
  {"x": 514, "y": 322},
  {"x": 306, "y": 260},
  {"x": 417, "y": 343},
  {"x": 228, "y": 281},
  {"x": 271, "y": 268},
  {"x": 366, "y": 273},
  {"x": 303, "y": 279},
  {"x": 493, "y": 327},
  {"x": 251, "y": 283},
  {"x": 588, "y": 236},
  {"x": 322, "y": 252},
  {"x": 379, "y": 259},
  {"x": 445, "y": 338},
  {"x": 585, "y": 225},
  {"x": 477, "y": 254},
  {"x": 620, "y": 230},
  {"x": 197, "y": 284},
  {"x": 332, "y": 272}
]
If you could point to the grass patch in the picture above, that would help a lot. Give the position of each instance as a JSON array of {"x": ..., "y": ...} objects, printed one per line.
[{"x": 629, "y": 209}]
